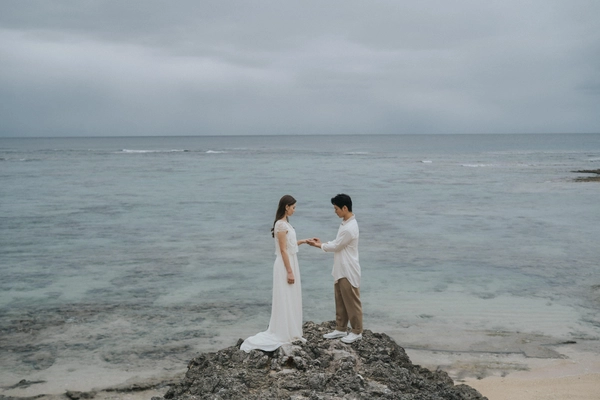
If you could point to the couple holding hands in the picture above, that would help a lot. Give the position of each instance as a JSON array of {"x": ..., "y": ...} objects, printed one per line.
[{"x": 285, "y": 325}]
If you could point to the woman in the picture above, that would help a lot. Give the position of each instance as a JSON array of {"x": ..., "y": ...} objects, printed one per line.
[{"x": 286, "y": 311}]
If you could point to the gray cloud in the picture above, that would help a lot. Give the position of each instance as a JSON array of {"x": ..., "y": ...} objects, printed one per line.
[{"x": 302, "y": 67}]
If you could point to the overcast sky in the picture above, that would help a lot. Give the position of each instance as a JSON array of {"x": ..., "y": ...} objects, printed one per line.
[{"x": 198, "y": 67}]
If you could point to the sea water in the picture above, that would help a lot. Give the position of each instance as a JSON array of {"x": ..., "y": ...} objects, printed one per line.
[{"x": 124, "y": 257}]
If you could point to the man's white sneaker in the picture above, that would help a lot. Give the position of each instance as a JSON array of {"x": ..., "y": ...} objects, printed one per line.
[
  {"x": 352, "y": 337},
  {"x": 334, "y": 335}
]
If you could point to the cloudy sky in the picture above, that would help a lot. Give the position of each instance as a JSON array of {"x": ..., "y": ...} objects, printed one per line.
[{"x": 189, "y": 67}]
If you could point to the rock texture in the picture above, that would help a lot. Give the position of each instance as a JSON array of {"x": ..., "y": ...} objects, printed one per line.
[
  {"x": 595, "y": 178},
  {"x": 372, "y": 368}
]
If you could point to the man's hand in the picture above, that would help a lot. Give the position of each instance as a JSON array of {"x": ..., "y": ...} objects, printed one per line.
[{"x": 315, "y": 242}]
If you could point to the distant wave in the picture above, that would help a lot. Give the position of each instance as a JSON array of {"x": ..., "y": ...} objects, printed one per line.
[
  {"x": 426, "y": 161},
  {"x": 356, "y": 153},
  {"x": 215, "y": 152},
  {"x": 152, "y": 151},
  {"x": 501, "y": 165},
  {"x": 19, "y": 159}
]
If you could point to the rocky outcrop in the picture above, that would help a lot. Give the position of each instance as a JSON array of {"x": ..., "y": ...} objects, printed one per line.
[
  {"x": 595, "y": 178},
  {"x": 372, "y": 368}
]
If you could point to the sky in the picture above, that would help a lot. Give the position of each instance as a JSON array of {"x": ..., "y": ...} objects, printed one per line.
[{"x": 189, "y": 67}]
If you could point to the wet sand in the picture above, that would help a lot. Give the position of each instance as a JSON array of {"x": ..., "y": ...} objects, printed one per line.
[
  {"x": 501, "y": 365},
  {"x": 573, "y": 376},
  {"x": 579, "y": 387},
  {"x": 576, "y": 377}
]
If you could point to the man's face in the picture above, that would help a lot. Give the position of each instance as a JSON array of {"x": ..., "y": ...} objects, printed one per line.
[{"x": 340, "y": 212}]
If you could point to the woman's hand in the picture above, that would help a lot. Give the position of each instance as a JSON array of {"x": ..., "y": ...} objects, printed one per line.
[{"x": 290, "y": 278}]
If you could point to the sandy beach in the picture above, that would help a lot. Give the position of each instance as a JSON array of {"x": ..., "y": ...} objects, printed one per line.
[
  {"x": 508, "y": 377},
  {"x": 521, "y": 387},
  {"x": 575, "y": 376},
  {"x": 524, "y": 387}
]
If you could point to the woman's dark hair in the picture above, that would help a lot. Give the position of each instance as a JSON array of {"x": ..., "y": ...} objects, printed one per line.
[
  {"x": 285, "y": 201},
  {"x": 342, "y": 200}
]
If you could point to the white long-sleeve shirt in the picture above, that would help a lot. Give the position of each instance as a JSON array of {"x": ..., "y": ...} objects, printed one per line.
[{"x": 345, "y": 248}]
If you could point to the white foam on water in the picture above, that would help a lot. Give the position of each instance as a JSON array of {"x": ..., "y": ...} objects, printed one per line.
[{"x": 152, "y": 151}]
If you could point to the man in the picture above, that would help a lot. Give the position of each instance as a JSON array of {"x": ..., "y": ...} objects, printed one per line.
[{"x": 346, "y": 272}]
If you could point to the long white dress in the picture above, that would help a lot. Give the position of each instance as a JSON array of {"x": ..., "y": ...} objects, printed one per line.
[{"x": 285, "y": 325}]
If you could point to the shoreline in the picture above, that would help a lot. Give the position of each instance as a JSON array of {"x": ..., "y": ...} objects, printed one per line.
[
  {"x": 574, "y": 376},
  {"x": 539, "y": 383},
  {"x": 568, "y": 371},
  {"x": 576, "y": 387}
]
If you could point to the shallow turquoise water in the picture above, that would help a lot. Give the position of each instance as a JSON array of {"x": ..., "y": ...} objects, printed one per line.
[{"x": 124, "y": 251}]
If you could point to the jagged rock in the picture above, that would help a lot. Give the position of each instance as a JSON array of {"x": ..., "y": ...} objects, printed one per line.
[
  {"x": 320, "y": 369},
  {"x": 74, "y": 395},
  {"x": 589, "y": 178}
]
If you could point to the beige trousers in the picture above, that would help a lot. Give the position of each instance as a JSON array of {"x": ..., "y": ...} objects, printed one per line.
[{"x": 347, "y": 306}]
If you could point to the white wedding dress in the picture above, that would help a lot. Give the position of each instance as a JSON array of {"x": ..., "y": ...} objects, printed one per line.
[{"x": 285, "y": 325}]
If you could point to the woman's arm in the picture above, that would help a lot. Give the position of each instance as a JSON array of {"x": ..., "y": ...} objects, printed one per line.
[{"x": 281, "y": 238}]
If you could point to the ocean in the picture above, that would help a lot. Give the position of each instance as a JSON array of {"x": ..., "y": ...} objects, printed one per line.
[{"x": 124, "y": 257}]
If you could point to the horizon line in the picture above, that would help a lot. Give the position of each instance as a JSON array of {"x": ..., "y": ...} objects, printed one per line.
[{"x": 293, "y": 134}]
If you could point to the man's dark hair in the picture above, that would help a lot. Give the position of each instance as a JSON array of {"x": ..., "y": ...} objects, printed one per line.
[{"x": 342, "y": 200}]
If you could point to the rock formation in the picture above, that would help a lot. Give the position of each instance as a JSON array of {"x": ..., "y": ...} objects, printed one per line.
[
  {"x": 372, "y": 368},
  {"x": 595, "y": 178}
]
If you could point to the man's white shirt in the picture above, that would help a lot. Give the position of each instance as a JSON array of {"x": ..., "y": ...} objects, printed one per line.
[{"x": 345, "y": 248}]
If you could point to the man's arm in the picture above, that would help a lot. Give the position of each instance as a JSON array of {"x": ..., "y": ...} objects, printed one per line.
[{"x": 342, "y": 240}]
